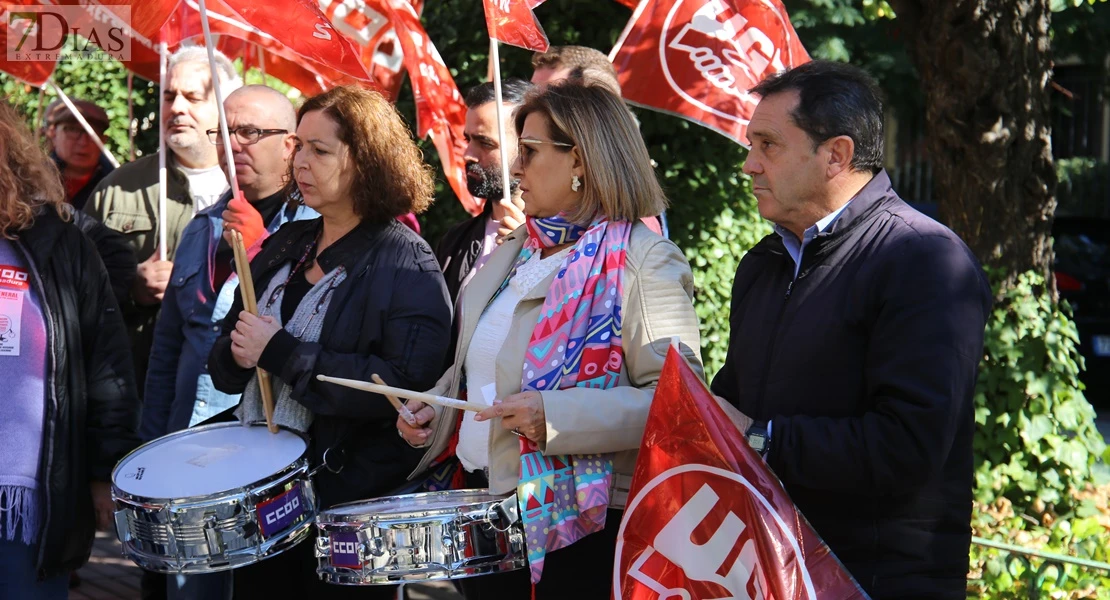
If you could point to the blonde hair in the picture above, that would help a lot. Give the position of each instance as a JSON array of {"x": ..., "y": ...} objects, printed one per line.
[
  {"x": 29, "y": 180},
  {"x": 618, "y": 180}
]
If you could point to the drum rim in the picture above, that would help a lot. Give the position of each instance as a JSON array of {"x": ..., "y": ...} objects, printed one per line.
[
  {"x": 329, "y": 517},
  {"x": 292, "y": 467}
]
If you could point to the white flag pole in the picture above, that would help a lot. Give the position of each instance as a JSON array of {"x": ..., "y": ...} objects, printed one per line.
[
  {"x": 162, "y": 58},
  {"x": 231, "y": 179},
  {"x": 495, "y": 60},
  {"x": 81, "y": 119}
]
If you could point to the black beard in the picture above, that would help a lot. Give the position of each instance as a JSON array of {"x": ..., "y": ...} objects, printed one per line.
[{"x": 487, "y": 183}]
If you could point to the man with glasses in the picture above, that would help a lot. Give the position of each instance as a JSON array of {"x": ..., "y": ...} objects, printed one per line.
[
  {"x": 127, "y": 200},
  {"x": 179, "y": 391},
  {"x": 79, "y": 160}
]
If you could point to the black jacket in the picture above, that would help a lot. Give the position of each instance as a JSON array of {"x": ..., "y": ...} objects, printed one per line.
[
  {"x": 92, "y": 419},
  {"x": 103, "y": 168},
  {"x": 460, "y": 247},
  {"x": 390, "y": 316},
  {"x": 114, "y": 251},
  {"x": 866, "y": 366}
]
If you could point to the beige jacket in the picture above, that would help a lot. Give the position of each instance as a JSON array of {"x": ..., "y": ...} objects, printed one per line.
[{"x": 658, "y": 292}]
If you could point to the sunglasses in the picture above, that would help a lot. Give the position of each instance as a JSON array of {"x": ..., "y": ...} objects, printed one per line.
[{"x": 525, "y": 151}]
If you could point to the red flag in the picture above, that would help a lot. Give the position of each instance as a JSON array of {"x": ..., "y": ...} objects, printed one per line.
[
  {"x": 512, "y": 22},
  {"x": 440, "y": 111},
  {"x": 698, "y": 58},
  {"x": 707, "y": 518},
  {"x": 630, "y": 3},
  {"x": 374, "y": 36}
]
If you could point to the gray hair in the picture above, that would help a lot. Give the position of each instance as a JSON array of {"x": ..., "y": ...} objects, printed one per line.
[{"x": 229, "y": 79}]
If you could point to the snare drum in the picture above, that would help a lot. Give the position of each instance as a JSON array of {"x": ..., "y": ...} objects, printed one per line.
[
  {"x": 436, "y": 535},
  {"x": 213, "y": 498}
]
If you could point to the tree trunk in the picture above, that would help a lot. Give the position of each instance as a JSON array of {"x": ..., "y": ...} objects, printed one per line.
[{"x": 985, "y": 67}]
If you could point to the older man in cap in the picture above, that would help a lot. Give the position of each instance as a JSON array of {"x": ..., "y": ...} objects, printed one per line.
[{"x": 73, "y": 149}]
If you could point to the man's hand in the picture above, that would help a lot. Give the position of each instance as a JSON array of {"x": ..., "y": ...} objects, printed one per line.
[
  {"x": 249, "y": 338},
  {"x": 243, "y": 217},
  {"x": 419, "y": 435},
  {"x": 742, "y": 422},
  {"x": 509, "y": 214},
  {"x": 522, "y": 414},
  {"x": 151, "y": 278},
  {"x": 103, "y": 506}
]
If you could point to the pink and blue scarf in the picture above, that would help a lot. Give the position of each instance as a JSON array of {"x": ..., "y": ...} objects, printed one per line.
[{"x": 576, "y": 343}]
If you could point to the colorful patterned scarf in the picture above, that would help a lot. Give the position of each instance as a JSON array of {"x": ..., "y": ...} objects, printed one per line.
[{"x": 576, "y": 343}]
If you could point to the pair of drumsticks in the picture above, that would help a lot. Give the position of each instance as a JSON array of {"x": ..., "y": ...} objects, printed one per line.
[{"x": 250, "y": 304}]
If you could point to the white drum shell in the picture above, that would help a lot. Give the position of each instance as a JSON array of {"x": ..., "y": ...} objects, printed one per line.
[
  {"x": 437, "y": 535},
  {"x": 212, "y": 532}
]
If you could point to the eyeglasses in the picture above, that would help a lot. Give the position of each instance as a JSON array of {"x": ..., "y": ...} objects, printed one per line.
[
  {"x": 72, "y": 131},
  {"x": 525, "y": 153},
  {"x": 245, "y": 135}
]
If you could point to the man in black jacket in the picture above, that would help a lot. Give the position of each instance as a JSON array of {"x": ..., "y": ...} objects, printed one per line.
[
  {"x": 856, "y": 332},
  {"x": 466, "y": 246}
]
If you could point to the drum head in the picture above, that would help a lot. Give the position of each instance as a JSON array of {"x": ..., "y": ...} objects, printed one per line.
[
  {"x": 399, "y": 506},
  {"x": 206, "y": 460}
]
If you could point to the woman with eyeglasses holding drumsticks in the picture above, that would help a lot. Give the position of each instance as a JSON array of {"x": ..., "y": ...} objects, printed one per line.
[
  {"x": 350, "y": 294},
  {"x": 563, "y": 333}
]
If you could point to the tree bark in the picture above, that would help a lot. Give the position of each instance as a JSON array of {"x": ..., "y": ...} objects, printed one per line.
[{"x": 985, "y": 67}]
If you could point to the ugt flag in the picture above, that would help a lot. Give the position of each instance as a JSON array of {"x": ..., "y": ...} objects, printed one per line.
[
  {"x": 707, "y": 519},
  {"x": 697, "y": 59}
]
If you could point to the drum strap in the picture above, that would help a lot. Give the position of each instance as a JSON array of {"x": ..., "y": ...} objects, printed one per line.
[{"x": 335, "y": 455}]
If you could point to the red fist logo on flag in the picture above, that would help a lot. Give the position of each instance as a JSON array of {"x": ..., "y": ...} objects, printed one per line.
[{"x": 707, "y": 519}]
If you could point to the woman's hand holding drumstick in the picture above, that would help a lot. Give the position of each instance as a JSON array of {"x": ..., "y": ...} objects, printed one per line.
[
  {"x": 246, "y": 289},
  {"x": 415, "y": 434}
]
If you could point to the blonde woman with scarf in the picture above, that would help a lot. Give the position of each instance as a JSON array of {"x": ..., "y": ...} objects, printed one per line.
[{"x": 563, "y": 334}]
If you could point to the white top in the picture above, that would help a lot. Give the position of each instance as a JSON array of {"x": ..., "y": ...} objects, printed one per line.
[
  {"x": 481, "y": 357},
  {"x": 489, "y": 244},
  {"x": 205, "y": 185}
]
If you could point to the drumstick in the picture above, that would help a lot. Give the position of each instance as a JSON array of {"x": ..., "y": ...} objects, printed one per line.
[
  {"x": 406, "y": 414},
  {"x": 250, "y": 304},
  {"x": 386, "y": 390}
]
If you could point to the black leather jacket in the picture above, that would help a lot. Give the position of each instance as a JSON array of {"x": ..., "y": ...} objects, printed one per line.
[
  {"x": 390, "y": 316},
  {"x": 92, "y": 413}
]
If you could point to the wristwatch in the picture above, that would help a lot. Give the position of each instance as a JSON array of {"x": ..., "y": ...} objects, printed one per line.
[{"x": 759, "y": 438}]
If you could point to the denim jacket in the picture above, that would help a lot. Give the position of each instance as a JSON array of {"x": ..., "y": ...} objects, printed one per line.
[{"x": 179, "y": 390}]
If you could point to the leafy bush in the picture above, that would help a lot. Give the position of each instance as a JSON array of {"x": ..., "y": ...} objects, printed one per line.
[
  {"x": 1083, "y": 186},
  {"x": 105, "y": 84},
  {"x": 1036, "y": 447}
]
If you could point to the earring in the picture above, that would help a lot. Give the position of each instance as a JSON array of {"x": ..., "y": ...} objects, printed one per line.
[{"x": 575, "y": 183}]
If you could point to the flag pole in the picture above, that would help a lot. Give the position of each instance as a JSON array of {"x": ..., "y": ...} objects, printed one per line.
[
  {"x": 131, "y": 116},
  {"x": 628, "y": 28},
  {"x": 231, "y": 179},
  {"x": 162, "y": 59},
  {"x": 81, "y": 119},
  {"x": 495, "y": 60}
]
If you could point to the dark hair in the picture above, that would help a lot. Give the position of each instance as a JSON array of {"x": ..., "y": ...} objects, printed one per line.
[
  {"x": 835, "y": 99},
  {"x": 390, "y": 177},
  {"x": 513, "y": 90}
]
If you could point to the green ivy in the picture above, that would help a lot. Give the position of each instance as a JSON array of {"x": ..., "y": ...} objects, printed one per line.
[
  {"x": 1036, "y": 439},
  {"x": 1036, "y": 447}
]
